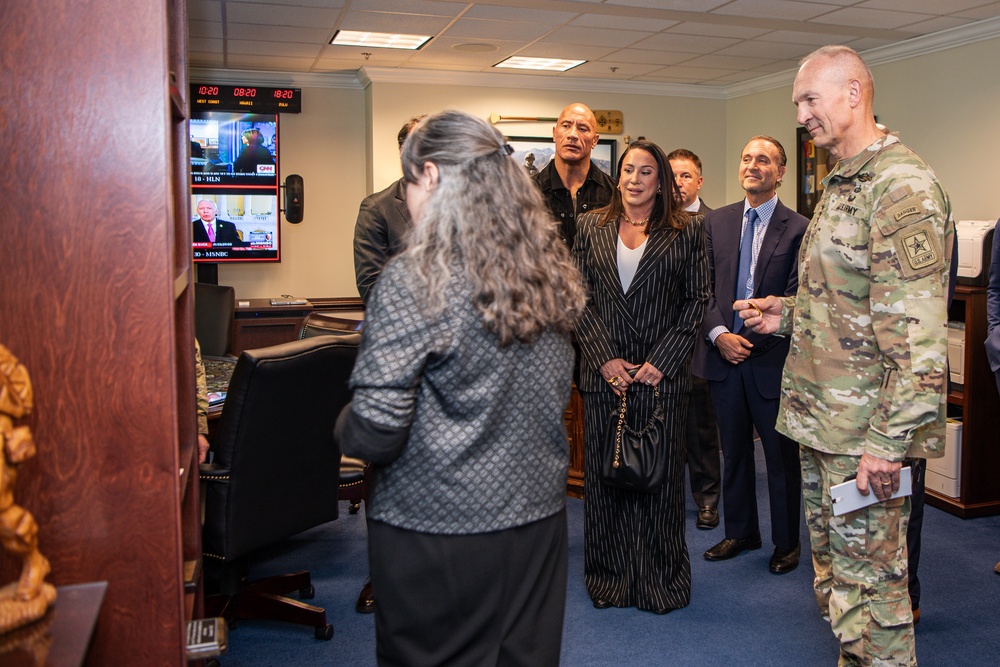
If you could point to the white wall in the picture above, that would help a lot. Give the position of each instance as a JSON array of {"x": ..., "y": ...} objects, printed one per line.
[
  {"x": 325, "y": 144},
  {"x": 944, "y": 106},
  {"x": 670, "y": 122}
]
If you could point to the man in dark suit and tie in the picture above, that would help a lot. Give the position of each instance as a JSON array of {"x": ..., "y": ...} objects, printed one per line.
[
  {"x": 210, "y": 229},
  {"x": 383, "y": 222},
  {"x": 702, "y": 435},
  {"x": 753, "y": 248}
]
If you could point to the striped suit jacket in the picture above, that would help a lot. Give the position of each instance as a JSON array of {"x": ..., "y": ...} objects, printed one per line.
[{"x": 658, "y": 319}]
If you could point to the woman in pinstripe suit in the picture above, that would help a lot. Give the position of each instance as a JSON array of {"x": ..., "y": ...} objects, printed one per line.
[{"x": 647, "y": 272}]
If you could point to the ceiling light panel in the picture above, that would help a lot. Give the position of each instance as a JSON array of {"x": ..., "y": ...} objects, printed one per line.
[{"x": 378, "y": 40}]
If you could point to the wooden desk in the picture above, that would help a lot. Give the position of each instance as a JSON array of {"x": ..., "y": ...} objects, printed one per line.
[
  {"x": 259, "y": 324},
  {"x": 61, "y": 637}
]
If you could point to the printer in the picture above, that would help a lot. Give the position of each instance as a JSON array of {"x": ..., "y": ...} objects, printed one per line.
[{"x": 975, "y": 250}]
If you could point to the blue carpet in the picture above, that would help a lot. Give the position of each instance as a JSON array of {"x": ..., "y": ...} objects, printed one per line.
[{"x": 740, "y": 614}]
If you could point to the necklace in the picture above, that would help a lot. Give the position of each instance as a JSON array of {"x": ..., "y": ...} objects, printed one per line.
[{"x": 634, "y": 223}]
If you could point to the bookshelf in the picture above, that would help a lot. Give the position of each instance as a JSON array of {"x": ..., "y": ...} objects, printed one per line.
[{"x": 96, "y": 303}]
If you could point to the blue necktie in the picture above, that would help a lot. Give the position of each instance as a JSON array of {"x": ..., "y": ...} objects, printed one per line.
[{"x": 746, "y": 258}]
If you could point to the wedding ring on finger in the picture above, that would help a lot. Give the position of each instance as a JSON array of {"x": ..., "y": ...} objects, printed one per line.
[{"x": 615, "y": 380}]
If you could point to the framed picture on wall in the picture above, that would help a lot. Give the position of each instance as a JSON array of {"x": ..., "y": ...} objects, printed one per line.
[
  {"x": 812, "y": 170},
  {"x": 536, "y": 152}
]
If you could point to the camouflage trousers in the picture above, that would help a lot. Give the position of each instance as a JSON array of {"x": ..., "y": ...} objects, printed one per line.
[{"x": 860, "y": 561}]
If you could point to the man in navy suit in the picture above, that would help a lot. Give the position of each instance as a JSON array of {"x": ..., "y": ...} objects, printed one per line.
[{"x": 753, "y": 248}]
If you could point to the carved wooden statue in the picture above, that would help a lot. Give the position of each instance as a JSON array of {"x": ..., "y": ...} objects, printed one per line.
[{"x": 27, "y": 599}]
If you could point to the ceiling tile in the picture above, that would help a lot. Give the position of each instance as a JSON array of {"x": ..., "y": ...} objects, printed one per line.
[
  {"x": 426, "y": 7},
  {"x": 355, "y": 54},
  {"x": 283, "y": 49},
  {"x": 409, "y": 24},
  {"x": 935, "y": 24},
  {"x": 784, "y": 9},
  {"x": 729, "y": 62},
  {"x": 602, "y": 70},
  {"x": 507, "y": 30},
  {"x": 642, "y": 56},
  {"x": 246, "y": 12},
  {"x": 278, "y": 33},
  {"x": 269, "y": 64},
  {"x": 620, "y": 22},
  {"x": 204, "y": 29},
  {"x": 814, "y": 39},
  {"x": 675, "y": 5},
  {"x": 869, "y": 18},
  {"x": 989, "y": 11},
  {"x": 935, "y": 7},
  {"x": 204, "y": 45},
  {"x": 518, "y": 14},
  {"x": 204, "y": 10},
  {"x": 545, "y": 50},
  {"x": 717, "y": 30},
  {"x": 595, "y": 36},
  {"x": 643, "y": 38},
  {"x": 198, "y": 59}
]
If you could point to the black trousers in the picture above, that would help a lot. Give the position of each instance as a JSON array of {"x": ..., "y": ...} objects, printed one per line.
[{"x": 485, "y": 600}]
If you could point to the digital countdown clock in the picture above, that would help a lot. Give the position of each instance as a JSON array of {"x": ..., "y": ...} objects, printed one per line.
[{"x": 256, "y": 99}]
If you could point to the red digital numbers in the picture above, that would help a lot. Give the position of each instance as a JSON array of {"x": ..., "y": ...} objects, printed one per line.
[
  {"x": 208, "y": 90},
  {"x": 244, "y": 92},
  {"x": 284, "y": 94}
]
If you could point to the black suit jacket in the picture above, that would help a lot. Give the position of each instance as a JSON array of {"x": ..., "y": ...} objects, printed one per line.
[
  {"x": 225, "y": 232},
  {"x": 657, "y": 319},
  {"x": 379, "y": 234},
  {"x": 776, "y": 273}
]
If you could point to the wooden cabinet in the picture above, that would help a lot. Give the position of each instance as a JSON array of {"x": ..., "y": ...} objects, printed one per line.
[
  {"x": 96, "y": 302},
  {"x": 977, "y": 404},
  {"x": 574, "y": 429},
  {"x": 259, "y": 324}
]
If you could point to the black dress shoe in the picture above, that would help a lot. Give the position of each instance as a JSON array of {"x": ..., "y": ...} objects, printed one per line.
[
  {"x": 601, "y": 603},
  {"x": 708, "y": 518},
  {"x": 784, "y": 561},
  {"x": 366, "y": 601},
  {"x": 728, "y": 548}
]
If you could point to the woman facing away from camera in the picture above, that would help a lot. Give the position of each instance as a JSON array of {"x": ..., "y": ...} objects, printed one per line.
[
  {"x": 463, "y": 374},
  {"x": 645, "y": 264}
]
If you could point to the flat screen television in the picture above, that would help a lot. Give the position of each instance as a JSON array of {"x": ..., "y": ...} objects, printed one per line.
[{"x": 234, "y": 187}]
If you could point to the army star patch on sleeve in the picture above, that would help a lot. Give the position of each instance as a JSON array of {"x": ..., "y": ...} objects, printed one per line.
[{"x": 921, "y": 248}]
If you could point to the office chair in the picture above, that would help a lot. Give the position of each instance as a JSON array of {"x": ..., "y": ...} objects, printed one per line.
[
  {"x": 276, "y": 473},
  {"x": 214, "y": 317},
  {"x": 354, "y": 473}
]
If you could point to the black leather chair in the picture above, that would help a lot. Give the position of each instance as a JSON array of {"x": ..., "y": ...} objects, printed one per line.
[
  {"x": 214, "y": 317},
  {"x": 318, "y": 323},
  {"x": 354, "y": 473},
  {"x": 275, "y": 474}
]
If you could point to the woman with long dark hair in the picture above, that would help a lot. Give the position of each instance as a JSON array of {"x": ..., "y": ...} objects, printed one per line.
[{"x": 645, "y": 264}]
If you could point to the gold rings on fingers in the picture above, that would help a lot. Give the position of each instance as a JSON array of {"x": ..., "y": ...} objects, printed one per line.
[
  {"x": 886, "y": 483},
  {"x": 615, "y": 380}
]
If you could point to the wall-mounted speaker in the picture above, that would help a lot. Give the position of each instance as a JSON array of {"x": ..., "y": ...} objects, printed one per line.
[{"x": 293, "y": 199}]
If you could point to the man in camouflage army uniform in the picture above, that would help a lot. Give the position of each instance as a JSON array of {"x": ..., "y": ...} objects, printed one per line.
[{"x": 865, "y": 382}]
